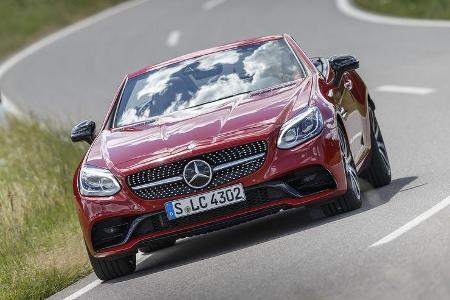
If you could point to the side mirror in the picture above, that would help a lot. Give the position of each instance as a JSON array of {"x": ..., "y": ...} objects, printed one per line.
[
  {"x": 342, "y": 64},
  {"x": 85, "y": 131}
]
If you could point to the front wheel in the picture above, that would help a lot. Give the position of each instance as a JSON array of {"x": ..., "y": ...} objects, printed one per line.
[
  {"x": 378, "y": 173},
  {"x": 351, "y": 200},
  {"x": 107, "y": 269}
]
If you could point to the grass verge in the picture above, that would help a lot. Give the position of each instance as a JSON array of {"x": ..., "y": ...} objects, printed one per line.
[
  {"x": 41, "y": 248},
  {"x": 22, "y": 21},
  {"x": 422, "y": 9}
]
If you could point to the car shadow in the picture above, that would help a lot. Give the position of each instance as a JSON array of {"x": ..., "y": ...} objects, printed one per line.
[{"x": 191, "y": 250}]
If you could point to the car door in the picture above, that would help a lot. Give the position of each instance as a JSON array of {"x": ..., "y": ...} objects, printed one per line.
[
  {"x": 352, "y": 107},
  {"x": 349, "y": 97}
]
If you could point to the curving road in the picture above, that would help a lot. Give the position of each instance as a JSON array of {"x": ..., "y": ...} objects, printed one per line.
[{"x": 396, "y": 247}]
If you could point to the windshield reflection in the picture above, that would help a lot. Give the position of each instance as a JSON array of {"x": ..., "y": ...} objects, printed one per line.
[{"x": 206, "y": 79}]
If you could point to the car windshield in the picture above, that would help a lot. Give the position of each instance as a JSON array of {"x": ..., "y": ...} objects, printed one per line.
[{"x": 206, "y": 79}]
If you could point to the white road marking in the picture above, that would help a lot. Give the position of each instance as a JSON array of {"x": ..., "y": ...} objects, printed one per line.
[
  {"x": 97, "y": 282},
  {"x": 413, "y": 223},
  {"x": 84, "y": 290},
  {"x": 210, "y": 4},
  {"x": 405, "y": 89},
  {"x": 347, "y": 7},
  {"x": 173, "y": 38}
]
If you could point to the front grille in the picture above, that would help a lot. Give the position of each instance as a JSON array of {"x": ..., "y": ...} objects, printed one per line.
[{"x": 217, "y": 158}]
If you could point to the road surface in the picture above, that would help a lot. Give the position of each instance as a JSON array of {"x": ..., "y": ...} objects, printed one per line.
[{"x": 396, "y": 247}]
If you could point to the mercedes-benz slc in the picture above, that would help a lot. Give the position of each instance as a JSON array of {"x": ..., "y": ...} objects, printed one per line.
[{"x": 219, "y": 137}]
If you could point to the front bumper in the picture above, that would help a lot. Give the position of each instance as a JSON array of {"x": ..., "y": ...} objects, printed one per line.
[{"x": 141, "y": 221}]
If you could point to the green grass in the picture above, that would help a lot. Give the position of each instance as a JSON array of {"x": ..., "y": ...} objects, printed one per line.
[
  {"x": 41, "y": 248},
  {"x": 23, "y": 21},
  {"x": 426, "y": 9}
]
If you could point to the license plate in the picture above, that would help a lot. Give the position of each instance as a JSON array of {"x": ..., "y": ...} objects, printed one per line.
[{"x": 207, "y": 201}]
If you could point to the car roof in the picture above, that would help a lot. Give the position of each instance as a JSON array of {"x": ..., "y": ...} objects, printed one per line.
[{"x": 204, "y": 52}]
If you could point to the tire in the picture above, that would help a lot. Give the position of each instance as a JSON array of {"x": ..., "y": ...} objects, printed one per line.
[
  {"x": 107, "y": 269},
  {"x": 351, "y": 200},
  {"x": 378, "y": 172},
  {"x": 158, "y": 245}
]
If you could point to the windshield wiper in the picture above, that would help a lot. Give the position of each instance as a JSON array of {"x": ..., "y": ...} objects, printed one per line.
[
  {"x": 218, "y": 99},
  {"x": 226, "y": 97}
]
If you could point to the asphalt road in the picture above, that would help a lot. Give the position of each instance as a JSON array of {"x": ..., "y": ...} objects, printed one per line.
[{"x": 294, "y": 254}]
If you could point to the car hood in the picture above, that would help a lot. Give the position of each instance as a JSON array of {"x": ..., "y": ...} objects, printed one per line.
[{"x": 197, "y": 130}]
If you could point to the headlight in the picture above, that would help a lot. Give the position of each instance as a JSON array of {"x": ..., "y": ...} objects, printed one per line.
[
  {"x": 97, "y": 182},
  {"x": 304, "y": 126}
]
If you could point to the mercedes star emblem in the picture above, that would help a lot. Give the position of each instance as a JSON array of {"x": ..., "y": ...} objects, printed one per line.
[{"x": 197, "y": 173}]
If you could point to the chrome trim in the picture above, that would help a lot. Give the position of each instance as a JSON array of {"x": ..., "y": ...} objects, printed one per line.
[
  {"x": 156, "y": 183},
  {"x": 237, "y": 162}
]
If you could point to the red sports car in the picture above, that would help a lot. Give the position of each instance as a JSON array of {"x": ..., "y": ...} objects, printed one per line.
[{"x": 219, "y": 137}]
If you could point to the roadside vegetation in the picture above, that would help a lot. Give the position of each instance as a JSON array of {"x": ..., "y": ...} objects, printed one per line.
[
  {"x": 41, "y": 248},
  {"x": 426, "y": 9},
  {"x": 23, "y": 21}
]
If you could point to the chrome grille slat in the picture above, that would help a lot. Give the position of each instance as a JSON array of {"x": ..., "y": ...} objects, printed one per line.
[
  {"x": 228, "y": 165},
  {"x": 237, "y": 162},
  {"x": 159, "y": 182}
]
